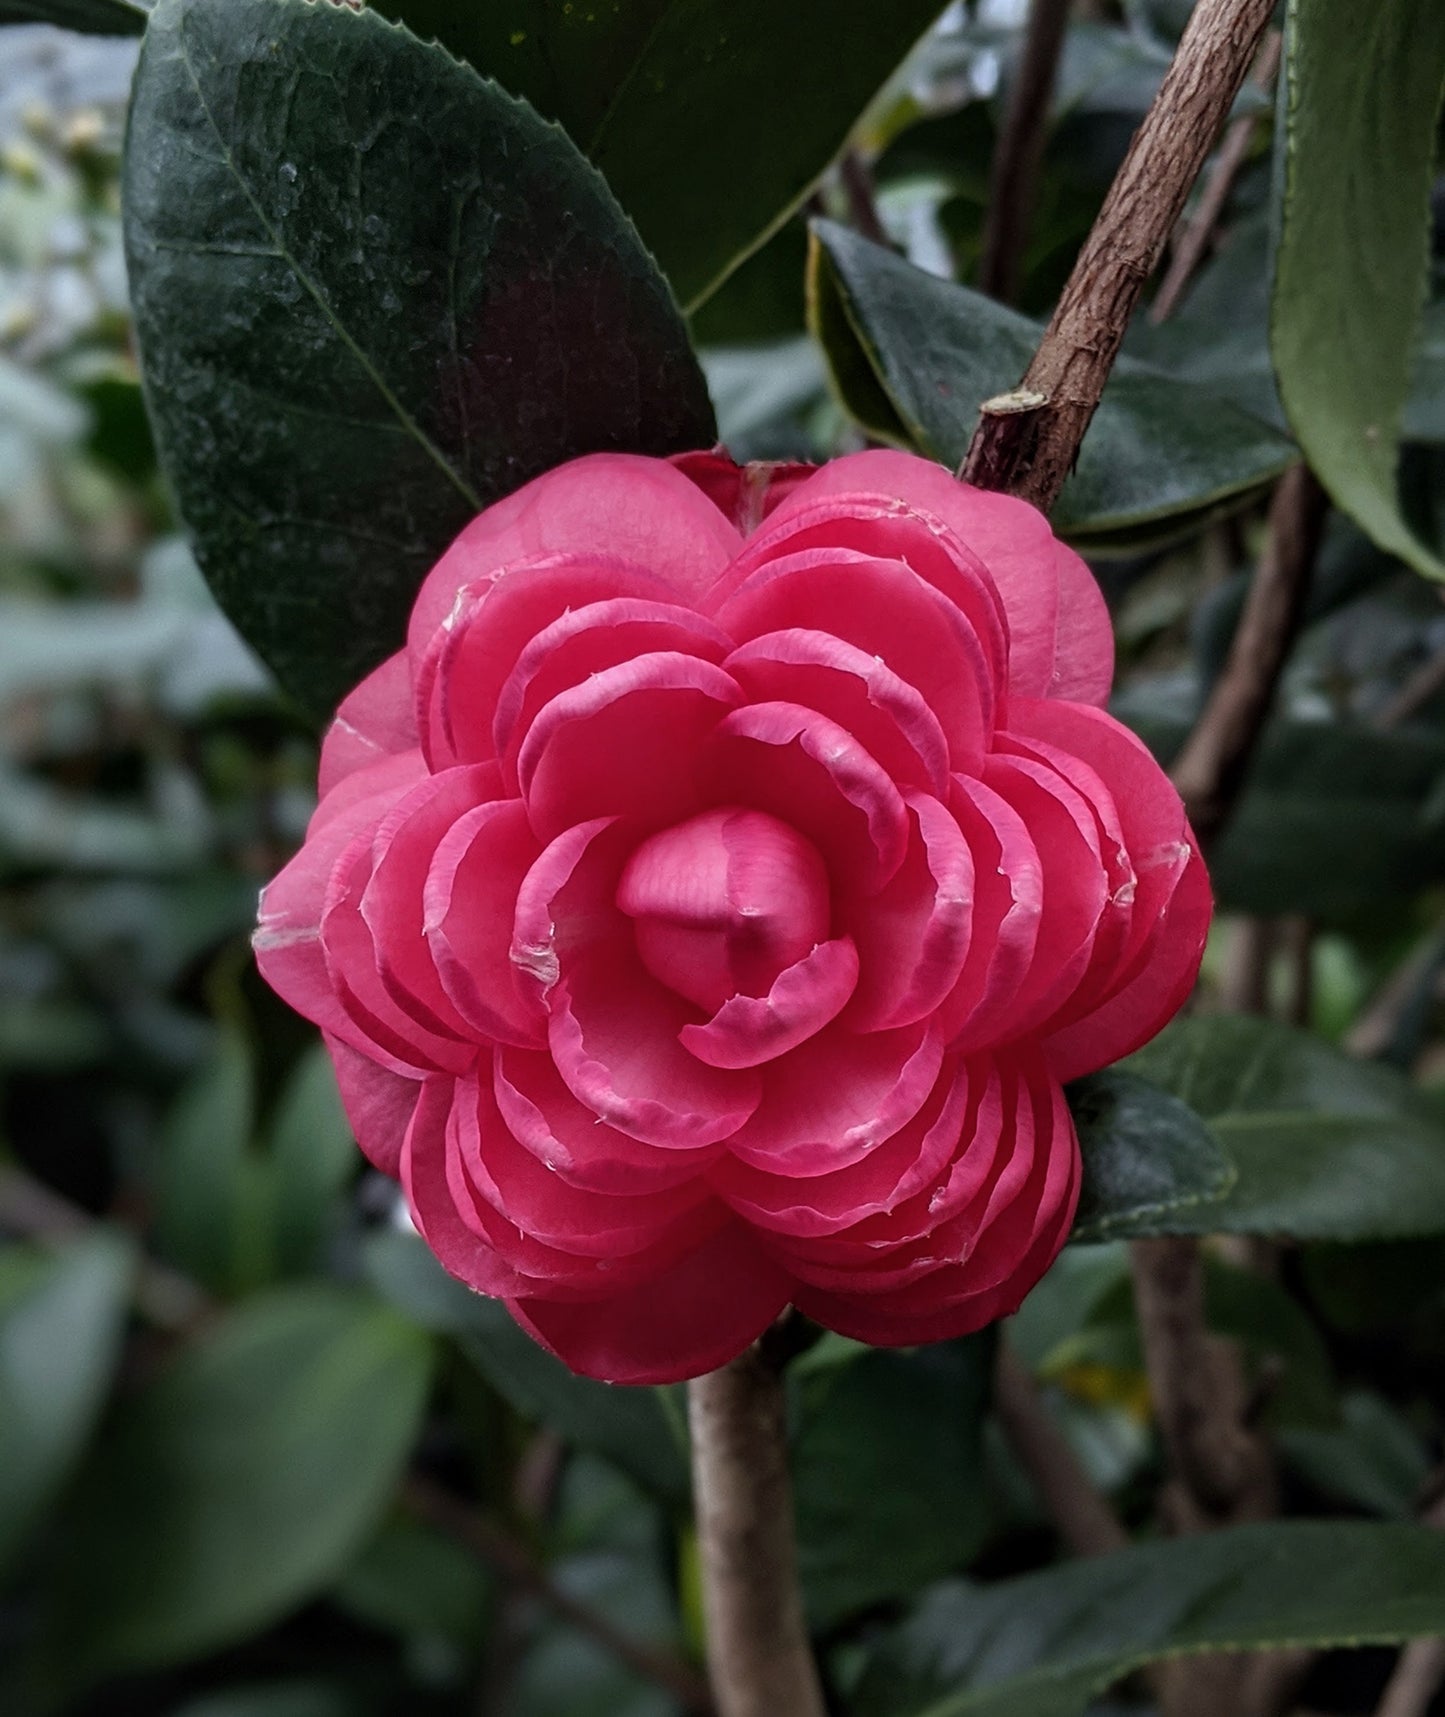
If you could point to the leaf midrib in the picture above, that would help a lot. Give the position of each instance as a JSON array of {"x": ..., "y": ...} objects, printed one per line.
[{"x": 404, "y": 418}]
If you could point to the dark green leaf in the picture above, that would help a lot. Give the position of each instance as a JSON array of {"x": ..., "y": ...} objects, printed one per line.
[
  {"x": 707, "y": 116},
  {"x": 61, "y": 1320},
  {"x": 313, "y": 1156},
  {"x": 239, "y": 1482},
  {"x": 91, "y": 17},
  {"x": 1361, "y": 95},
  {"x": 1042, "y": 1645},
  {"x": 639, "y": 1430},
  {"x": 1146, "y": 1156},
  {"x": 1373, "y": 1460},
  {"x": 1297, "y": 841},
  {"x": 213, "y": 1192},
  {"x": 913, "y": 358},
  {"x": 412, "y": 1581},
  {"x": 918, "y": 1418},
  {"x": 1327, "y": 1147},
  {"x": 373, "y": 294}
]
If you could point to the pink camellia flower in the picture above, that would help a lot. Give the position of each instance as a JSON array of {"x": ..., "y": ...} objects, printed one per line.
[{"x": 705, "y": 907}]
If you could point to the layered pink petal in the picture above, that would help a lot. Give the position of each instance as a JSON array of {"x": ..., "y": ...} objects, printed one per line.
[
  {"x": 287, "y": 938},
  {"x": 1150, "y": 999},
  {"x": 1007, "y": 910},
  {"x": 810, "y": 1206},
  {"x": 913, "y": 936},
  {"x": 749, "y": 1030},
  {"x": 888, "y": 717},
  {"x": 806, "y": 771},
  {"x": 1060, "y": 640},
  {"x": 547, "y": 1208},
  {"x": 615, "y": 504},
  {"x": 692, "y": 1318},
  {"x": 614, "y": 1036},
  {"x": 378, "y": 1104},
  {"x": 884, "y": 608},
  {"x": 583, "y": 641},
  {"x": 391, "y": 903},
  {"x": 624, "y": 743},
  {"x": 469, "y": 903},
  {"x": 566, "y": 904},
  {"x": 724, "y": 903},
  {"x": 393, "y": 1035},
  {"x": 473, "y": 653},
  {"x": 570, "y": 1141},
  {"x": 837, "y": 1097}
]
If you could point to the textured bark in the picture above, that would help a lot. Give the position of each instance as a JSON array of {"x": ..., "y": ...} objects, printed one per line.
[
  {"x": 757, "y": 1644},
  {"x": 1144, "y": 203}
]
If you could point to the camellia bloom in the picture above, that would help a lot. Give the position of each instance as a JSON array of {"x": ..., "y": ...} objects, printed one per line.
[{"x": 705, "y": 907}]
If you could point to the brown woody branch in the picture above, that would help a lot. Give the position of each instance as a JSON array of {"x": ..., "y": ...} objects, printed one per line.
[
  {"x": 1198, "y": 229},
  {"x": 757, "y": 1643},
  {"x": 1210, "y": 770},
  {"x": 1144, "y": 203}
]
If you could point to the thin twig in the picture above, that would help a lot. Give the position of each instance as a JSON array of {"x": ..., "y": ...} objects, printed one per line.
[
  {"x": 757, "y": 1642},
  {"x": 441, "y": 1509},
  {"x": 1210, "y": 770},
  {"x": 857, "y": 183},
  {"x": 1198, "y": 229},
  {"x": 1084, "y": 1518},
  {"x": 1083, "y": 339},
  {"x": 1019, "y": 150},
  {"x": 1416, "y": 1680},
  {"x": 1426, "y": 681},
  {"x": 175, "y": 1303}
]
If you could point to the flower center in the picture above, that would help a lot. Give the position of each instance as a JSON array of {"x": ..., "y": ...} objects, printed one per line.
[{"x": 724, "y": 902}]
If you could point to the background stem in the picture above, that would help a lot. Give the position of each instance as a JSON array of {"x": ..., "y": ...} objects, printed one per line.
[
  {"x": 757, "y": 1643},
  {"x": 1144, "y": 202}
]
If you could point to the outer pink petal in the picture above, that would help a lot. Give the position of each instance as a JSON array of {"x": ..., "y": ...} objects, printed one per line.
[
  {"x": 744, "y": 494},
  {"x": 623, "y": 744},
  {"x": 885, "y": 714},
  {"x": 614, "y": 1037},
  {"x": 619, "y": 504},
  {"x": 1060, "y": 640},
  {"x": 469, "y": 902},
  {"x": 378, "y": 1104},
  {"x": 749, "y": 1030},
  {"x": 287, "y": 938},
  {"x": 374, "y": 721},
  {"x": 1150, "y": 1000},
  {"x": 690, "y": 1319}
]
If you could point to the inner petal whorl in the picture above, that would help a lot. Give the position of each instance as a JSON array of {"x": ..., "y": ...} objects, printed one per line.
[{"x": 724, "y": 902}]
